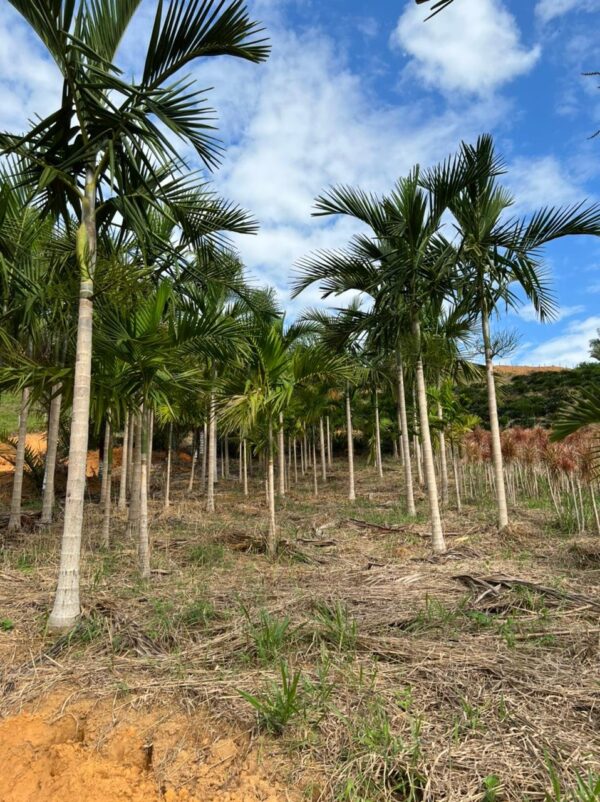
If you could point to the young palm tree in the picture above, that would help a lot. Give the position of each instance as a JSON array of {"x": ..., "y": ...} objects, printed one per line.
[
  {"x": 497, "y": 253},
  {"x": 85, "y": 152}
]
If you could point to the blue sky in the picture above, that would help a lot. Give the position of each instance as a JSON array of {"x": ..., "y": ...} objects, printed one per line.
[{"x": 357, "y": 93}]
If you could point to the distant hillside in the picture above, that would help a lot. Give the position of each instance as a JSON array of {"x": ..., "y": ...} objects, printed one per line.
[
  {"x": 530, "y": 396},
  {"x": 525, "y": 370}
]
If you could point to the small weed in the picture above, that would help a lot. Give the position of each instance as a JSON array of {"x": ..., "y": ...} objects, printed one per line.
[
  {"x": 87, "y": 630},
  {"x": 269, "y": 636},
  {"x": 197, "y": 614},
  {"x": 382, "y": 760},
  {"x": 6, "y": 625},
  {"x": 492, "y": 786},
  {"x": 278, "y": 703},
  {"x": 586, "y": 788},
  {"x": 25, "y": 562},
  {"x": 508, "y": 632},
  {"x": 336, "y": 625},
  {"x": 162, "y": 620}
]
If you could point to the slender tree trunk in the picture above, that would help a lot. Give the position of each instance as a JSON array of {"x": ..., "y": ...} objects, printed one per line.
[
  {"x": 378, "y": 458},
  {"x": 281, "y": 456},
  {"x": 350, "y": 435},
  {"x": 133, "y": 519},
  {"x": 443, "y": 460},
  {"x": 66, "y": 607},
  {"x": 204, "y": 456},
  {"x": 314, "y": 464},
  {"x": 272, "y": 533},
  {"x": 168, "y": 476},
  {"x": 295, "y": 461},
  {"x": 150, "y": 435},
  {"x": 456, "y": 479},
  {"x": 329, "y": 445},
  {"x": 494, "y": 424},
  {"x": 245, "y": 466},
  {"x": 322, "y": 447},
  {"x": 108, "y": 463},
  {"x": 405, "y": 441},
  {"x": 417, "y": 446},
  {"x": 437, "y": 534},
  {"x": 306, "y": 453},
  {"x": 130, "y": 447},
  {"x": 144, "y": 541},
  {"x": 124, "y": 464},
  {"x": 194, "y": 458},
  {"x": 212, "y": 449},
  {"x": 14, "y": 522},
  {"x": 226, "y": 453},
  {"x": 104, "y": 460},
  {"x": 302, "y": 457},
  {"x": 51, "y": 452}
]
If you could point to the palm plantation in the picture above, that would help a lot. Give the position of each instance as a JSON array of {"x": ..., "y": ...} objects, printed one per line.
[{"x": 324, "y": 527}]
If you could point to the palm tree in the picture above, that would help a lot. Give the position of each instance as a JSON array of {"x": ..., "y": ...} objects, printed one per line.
[
  {"x": 497, "y": 253},
  {"x": 86, "y": 151}
]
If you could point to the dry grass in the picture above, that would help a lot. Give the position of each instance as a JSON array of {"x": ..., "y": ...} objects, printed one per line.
[{"x": 415, "y": 681}]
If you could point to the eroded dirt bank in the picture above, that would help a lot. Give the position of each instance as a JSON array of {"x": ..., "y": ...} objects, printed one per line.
[{"x": 112, "y": 753}]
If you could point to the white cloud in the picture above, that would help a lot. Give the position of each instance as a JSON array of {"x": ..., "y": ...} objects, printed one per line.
[
  {"x": 548, "y": 10},
  {"x": 568, "y": 349},
  {"x": 543, "y": 181},
  {"x": 474, "y": 46},
  {"x": 529, "y": 315}
]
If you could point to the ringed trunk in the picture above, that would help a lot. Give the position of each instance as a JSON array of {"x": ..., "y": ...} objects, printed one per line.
[
  {"x": 405, "y": 442},
  {"x": 51, "y": 452},
  {"x": 124, "y": 464},
  {"x": 350, "y": 433},
  {"x": 66, "y": 608}
]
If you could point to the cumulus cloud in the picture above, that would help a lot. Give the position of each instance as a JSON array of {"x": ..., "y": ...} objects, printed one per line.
[
  {"x": 473, "y": 47},
  {"x": 569, "y": 348},
  {"x": 543, "y": 181}
]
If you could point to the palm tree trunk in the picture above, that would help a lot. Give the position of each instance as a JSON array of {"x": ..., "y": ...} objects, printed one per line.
[
  {"x": 108, "y": 461},
  {"x": 322, "y": 447},
  {"x": 378, "y": 459},
  {"x": 456, "y": 478},
  {"x": 133, "y": 518},
  {"x": 66, "y": 606},
  {"x": 405, "y": 441},
  {"x": 437, "y": 535},
  {"x": 295, "y": 461},
  {"x": 14, "y": 522},
  {"x": 124, "y": 464},
  {"x": 204, "y": 442},
  {"x": 168, "y": 476},
  {"x": 245, "y": 466},
  {"x": 350, "y": 434},
  {"x": 226, "y": 456},
  {"x": 51, "y": 452},
  {"x": 417, "y": 444},
  {"x": 211, "y": 456},
  {"x": 272, "y": 533},
  {"x": 150, "y": 435},
  {"x": 104, "y": 460},
  {"x": 443, "y": 460},
  {"x": 130, "y": 446},
  {"x": 144, "y": 541},
  {"x": 302, "y": 457},
  {"x": 329, "y": 445},
  {"x": 281, "y": 456},
  {"x": 190, "y": 486},
  {"x": 314, "y": 464},
  {"x": 494, "y": 423}
]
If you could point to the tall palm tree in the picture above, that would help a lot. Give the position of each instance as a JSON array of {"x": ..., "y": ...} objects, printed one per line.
[
  {"x": 86, "y": 150},
  {"x": 498, "y": 254}
]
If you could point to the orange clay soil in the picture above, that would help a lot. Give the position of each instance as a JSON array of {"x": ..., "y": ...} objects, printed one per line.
[{"x": 112, "y": 753}]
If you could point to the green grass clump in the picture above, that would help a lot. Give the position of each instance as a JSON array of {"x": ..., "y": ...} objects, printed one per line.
[
  {"x": 269, "y": 635},
  {"x": 279, "y": 702},
  {"x": 207, "y": 555},
  {"x": 336, "y": 626}
]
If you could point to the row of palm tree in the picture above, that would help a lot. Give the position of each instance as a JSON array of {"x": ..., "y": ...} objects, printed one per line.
[{"x": 124, "y": 306}]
